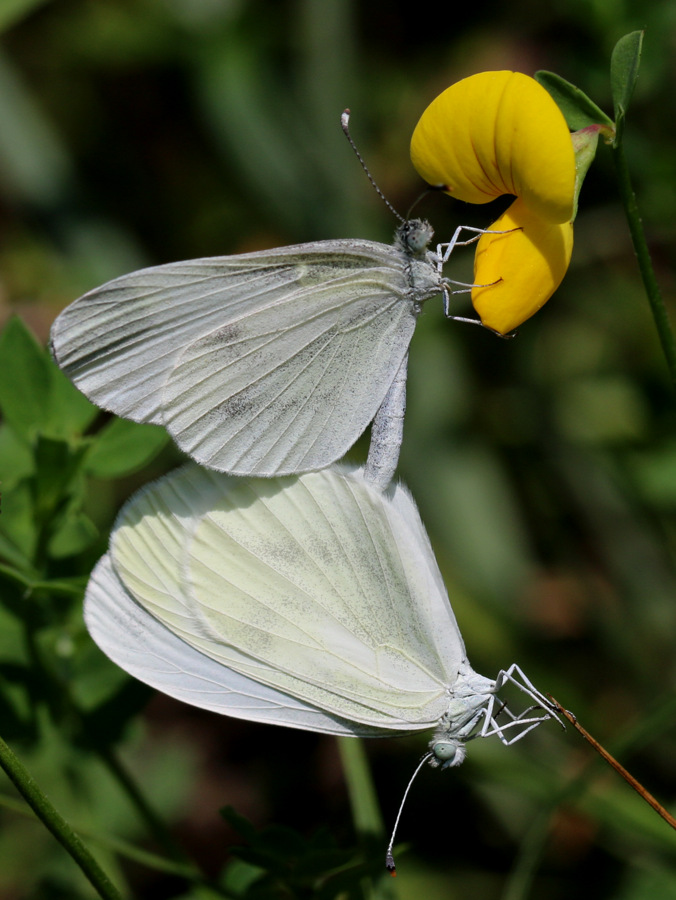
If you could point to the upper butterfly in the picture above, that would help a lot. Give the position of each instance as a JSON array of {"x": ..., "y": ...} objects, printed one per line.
[{"x": 265, "y": 363}]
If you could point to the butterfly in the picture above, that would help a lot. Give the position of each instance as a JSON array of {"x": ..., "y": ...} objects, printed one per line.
[
  {"x": 265, "y": 363},
  {"x": 311, "y": 601}
]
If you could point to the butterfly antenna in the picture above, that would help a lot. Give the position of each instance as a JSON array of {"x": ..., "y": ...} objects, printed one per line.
[
  {"x": 389, "y": 856},
  {"x": 428, "y": 190},
  {"x": 345, "y": 125}
]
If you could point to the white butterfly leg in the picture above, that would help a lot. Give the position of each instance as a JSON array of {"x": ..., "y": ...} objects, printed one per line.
[
  {"x": 444, "y": 250},
  {"x": 515, "y": 675},
  {"x": 493, "y": 728},
  {"x": 443, "y": 254}
]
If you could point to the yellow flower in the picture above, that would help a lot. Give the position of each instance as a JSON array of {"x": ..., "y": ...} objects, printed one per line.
[
  {"x": 501, "y": 133},
  {"x": 517, "y": 272}
]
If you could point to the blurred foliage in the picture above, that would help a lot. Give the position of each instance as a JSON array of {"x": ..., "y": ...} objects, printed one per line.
[{"x": 142, "y": 131}]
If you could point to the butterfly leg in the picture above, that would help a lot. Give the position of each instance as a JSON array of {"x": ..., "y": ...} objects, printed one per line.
[
  {"x": 443, "y": 255},
  {"x": 523, "y": 721},
  {"x": 447, "y": 294},
  {"x": 490, "y": 726},
  {"x": 516, "y": 676},
  {"x": 497, "y": 730},
  {"x": 444, "y": 251}
]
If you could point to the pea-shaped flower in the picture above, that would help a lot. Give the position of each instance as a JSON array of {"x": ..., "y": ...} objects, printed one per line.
[{"x": 501, "y": 133}]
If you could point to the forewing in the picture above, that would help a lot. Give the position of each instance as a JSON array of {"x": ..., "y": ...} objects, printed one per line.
[
  {"x": 290, "y": 388},
  {"x": 148, "y": 650},
  {"x": 311, "y": 585},
  {"x": 147, "y": 345}
]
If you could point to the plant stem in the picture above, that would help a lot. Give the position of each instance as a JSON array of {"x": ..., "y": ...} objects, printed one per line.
[
  {"x": 52, "y": 820},
  {"x": 366, "y": 815},
  {"x": 154, "y": 823},
  {"x": 644, "y": 262},
  {"x": 59, "y": 698},
  {"x": 520, "y": 881}
]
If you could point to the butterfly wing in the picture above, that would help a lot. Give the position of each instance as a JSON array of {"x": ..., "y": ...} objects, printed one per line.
[
  {"x": 149, "y": 651},
  {"x": 263, "y": 363},
  {"x": 318, "y": 587}
]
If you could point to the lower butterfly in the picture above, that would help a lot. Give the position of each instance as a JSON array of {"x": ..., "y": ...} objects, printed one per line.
[{"x": 311, "y": 601}]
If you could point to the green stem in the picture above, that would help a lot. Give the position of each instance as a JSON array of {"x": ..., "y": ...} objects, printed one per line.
[
  {"x": 644, "y": 262},
  {"x": 153, "y": 822},
  {"x": 61, "y": 699},
  {"x": 366, "y": 815},
  {"x": 127, "y": 850},
  {"x": 53, "y": 821}
]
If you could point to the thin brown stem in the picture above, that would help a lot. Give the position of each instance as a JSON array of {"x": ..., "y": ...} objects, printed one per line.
[{"x": 628, "y": 777}]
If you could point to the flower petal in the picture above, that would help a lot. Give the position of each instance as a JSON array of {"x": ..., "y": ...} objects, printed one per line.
[
  {"x": 528, "y": 264},
  {"x": 498, "y": 133}
]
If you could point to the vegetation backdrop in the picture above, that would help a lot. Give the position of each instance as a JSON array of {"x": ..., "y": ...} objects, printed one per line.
[{"x": 136, "y": 132}]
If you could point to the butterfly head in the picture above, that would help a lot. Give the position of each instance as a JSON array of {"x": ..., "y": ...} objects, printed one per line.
[
  {"x": 447, "y": 752},
  {"x": 414, "y": 236}
]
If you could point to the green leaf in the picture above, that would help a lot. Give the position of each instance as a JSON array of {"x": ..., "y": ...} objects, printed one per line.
[
  {"x": 624, "y": 66},
  {"x": 35, "y": 396},
  {"x": 18, "y": 532},
  {"x": 239, "y": 876},
  {"x": 67, "y": 587},
  {"x": 12, "y": 553},
  {"x": 24, "y": 380},
  {"x": 73, "y": 534},
  {"x": 123, "y": 447},
  {"x": 654, "y": 475},
  {"x": 578, "y": 109},
  {"x": 17, "y": 678},
  {"x": 110, "y": 697},
  {"x": 16, "y": 458},
  {"x": 14, "y": 652},
  {"x": 70, "y": 413},
  {"x": 12, "y": 11},
  {"x": 13, "y": 718},
  {"x": 287, "y": 856},
  {"x": 56, "y": 471},
  {"x": 239, "y": 823}
]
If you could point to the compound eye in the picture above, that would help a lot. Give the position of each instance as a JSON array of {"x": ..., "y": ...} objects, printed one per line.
[{"x": 445, "y": 751}]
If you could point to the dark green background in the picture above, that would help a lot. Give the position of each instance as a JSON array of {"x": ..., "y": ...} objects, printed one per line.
[{"x": 135, "y": 132}]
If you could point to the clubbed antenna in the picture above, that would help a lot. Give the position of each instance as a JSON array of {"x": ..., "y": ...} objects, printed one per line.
[
  {"x": 345, "y": 125},
  {"x": 389, "y": 856}
]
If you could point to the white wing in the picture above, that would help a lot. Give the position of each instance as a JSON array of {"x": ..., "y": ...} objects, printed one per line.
[
  {"x": 318, "y": 587},
  {"x": 150, "y": 652},
  {"x": 264, "y": 363}
]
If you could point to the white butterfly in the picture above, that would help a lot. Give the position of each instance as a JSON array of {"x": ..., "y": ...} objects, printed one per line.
[
  {"x": 265, "y": 363},
  {"x": 313, "y": 602}
]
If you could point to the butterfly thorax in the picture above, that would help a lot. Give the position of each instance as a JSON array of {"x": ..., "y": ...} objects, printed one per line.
[
  {"x": 412, "y": 239},
  {"x": 469, "y": 697}
]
